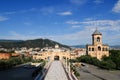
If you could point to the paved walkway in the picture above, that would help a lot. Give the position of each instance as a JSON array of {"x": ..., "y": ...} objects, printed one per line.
[
  {"x": 94, "y": 73},
  {"x": 56, "y": 72}
]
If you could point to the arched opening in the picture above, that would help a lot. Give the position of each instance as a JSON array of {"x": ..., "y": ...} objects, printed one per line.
[
  {"x": 98, "y": 39},
  {"x": 64, "y": 57},
  {"x": 99, "y": 48},
  {"x": 56, "y": 57},
  {"x": 106, "y": 49},
  {"x": 89, "y": 49},
  {"x": 103, "y": 49},
  {"x": 92, "y": 49}
]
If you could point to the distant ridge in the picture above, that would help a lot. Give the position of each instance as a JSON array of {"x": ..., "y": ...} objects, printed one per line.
[
  {"x": 78, "y": 46},
  {"x": 84, "y": 46},
  {"x": 41, "y": 43},
  {"x": 115, "y": 46},
  {"x": 5, "y": 40}
]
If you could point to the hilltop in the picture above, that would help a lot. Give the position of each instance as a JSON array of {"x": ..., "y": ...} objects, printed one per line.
[{"x": 41, "y": 43}]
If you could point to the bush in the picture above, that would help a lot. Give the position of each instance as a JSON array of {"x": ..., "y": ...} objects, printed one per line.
[
  {"x": 111, "y": 62},
  {"x": 73, "y": 68},
  {"x": 95, "y": 61},
  {"x": 13, "y": 61},
  {"x": 107, "y": 64}
]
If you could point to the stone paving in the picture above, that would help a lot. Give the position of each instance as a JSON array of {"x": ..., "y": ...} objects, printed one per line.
[
  {"x": 94, "y": 73},
  {"x": 56, "y": 72}
]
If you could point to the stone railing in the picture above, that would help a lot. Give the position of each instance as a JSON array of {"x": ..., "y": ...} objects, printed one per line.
[
  {"x": 70, "y": 75},
  {"x": 44, "y": 72}
]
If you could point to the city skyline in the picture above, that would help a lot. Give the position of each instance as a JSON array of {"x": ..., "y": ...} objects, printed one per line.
[{"x": 70, "y": 22}]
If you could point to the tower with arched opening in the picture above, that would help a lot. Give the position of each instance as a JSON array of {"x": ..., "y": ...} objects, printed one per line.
[{"x": 97, "y": 49}]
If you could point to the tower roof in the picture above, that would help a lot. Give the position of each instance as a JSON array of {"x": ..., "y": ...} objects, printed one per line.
[{"x": 96, "y": 32}]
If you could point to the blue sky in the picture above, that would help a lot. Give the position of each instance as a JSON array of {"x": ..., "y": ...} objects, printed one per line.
[{"x": 69, "y": 22}]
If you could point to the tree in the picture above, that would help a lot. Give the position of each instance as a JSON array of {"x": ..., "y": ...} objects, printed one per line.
[
  {"x": 107, "y": 64},
  {"x": 115, "y": 57}
]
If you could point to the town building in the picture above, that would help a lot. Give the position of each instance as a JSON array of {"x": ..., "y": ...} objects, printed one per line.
[
  {"x": 80, "y": 51},
  {"x": 5, "y": 56},
  {"x": 55, "y": 53},
  {"x": 97, "y": 48}
]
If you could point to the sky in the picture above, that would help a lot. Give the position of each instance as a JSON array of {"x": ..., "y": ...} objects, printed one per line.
[{"x": 69, "y": 22}]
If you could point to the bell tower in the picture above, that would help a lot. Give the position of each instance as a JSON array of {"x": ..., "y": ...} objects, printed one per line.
[
  {"x": 97, "y": 38},
  {"x": 97, "y": 49}
]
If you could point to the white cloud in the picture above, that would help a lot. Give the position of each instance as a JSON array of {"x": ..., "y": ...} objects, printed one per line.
[
  {"x": 78, "y": 2},
  {"x": 107, "y": 27},
  {"x": 11, "y": 12},
  {"x": 98, "y": 1},
  {"x": 2, "y": 18},
  {"x": 47, "y": 10},
  {"x": 66, "y": 13},
  {"x": 116, "y": 7},
  {"x": 31, "y": 35},
  {"x": 69, "y": 38},
  {"x": 27, "y": 23},
  {"x": 72, "y": 22},
  {"x": 16, "y": 35},
  {"x": 76, "y": 26},
  {"x": 20, "y": 11},
  {"x": 88, "y": 19},
  {"x": 28, "y": 10},
  {"x": 80, "y": 37},
  {"x": 101, "y": 22},
  {"x": 107, "y": 23},
  {"x": 13, "y": 33}
]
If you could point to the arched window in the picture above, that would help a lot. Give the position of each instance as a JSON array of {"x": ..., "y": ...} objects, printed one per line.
[
  {"x": 92, "y": 49},
  {"x": 103, "y": 49},
  {"x": 99, "y": 48},
  {"x": 98, "y": 39},
  {"x": 106, "y": 49},
  {"x": 89, "y": 49}
]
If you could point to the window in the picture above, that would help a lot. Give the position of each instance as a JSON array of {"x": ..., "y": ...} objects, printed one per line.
[
  {"x": 98, "y": 39},
  {"x": 99, "y": 48},
  {"x": 103, "y": 49},
  {"x": 89, "y": 49},
  {"x": 106, "y": 49},
  {"x": 40, "y": 54},
  {"x": 92, "y": 49}
]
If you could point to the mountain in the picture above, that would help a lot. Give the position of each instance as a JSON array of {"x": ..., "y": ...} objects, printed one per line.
[
  {"x": 5, "y": 40},
  {"x": 115, "y": 46},
  {"x": 78, "y": 46},
  {"x": 84, "y": 46},
  {"x": 41, "y": 43}
]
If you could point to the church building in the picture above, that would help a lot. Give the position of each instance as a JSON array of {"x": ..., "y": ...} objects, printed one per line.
[{"x": 97, "y": 49}]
